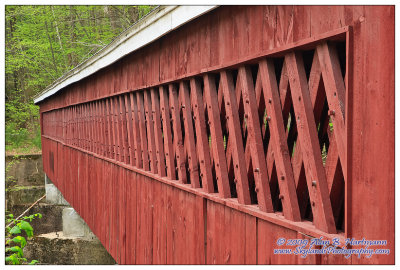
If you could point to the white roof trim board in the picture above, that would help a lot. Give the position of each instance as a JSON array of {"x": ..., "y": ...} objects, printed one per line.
[{"x": 159, "y": 22}]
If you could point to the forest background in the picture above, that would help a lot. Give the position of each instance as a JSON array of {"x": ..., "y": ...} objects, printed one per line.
[{"x": 41, "y": 44}]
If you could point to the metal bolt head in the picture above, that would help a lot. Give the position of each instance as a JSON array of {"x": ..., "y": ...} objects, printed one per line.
[
  {"x": 314, "y": 183},
  {"x": 280, "y": 196},
  {"x": 268, "y": 118},
  {"x": 331, "y": 112},
  {"x": 269, "y": 100},
  {"x": 257, "y": 170}
]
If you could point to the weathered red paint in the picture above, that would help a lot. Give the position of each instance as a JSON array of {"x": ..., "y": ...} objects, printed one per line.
[{"x": 103, "y": 138}]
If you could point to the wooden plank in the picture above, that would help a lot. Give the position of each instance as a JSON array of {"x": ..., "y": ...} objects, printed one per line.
[
  {"x": 221, "y": 170},
  {"x": 170, "y": 220},
  {"x": 131, "y": 219},
  {"x": 178, "y": 140},
  {"x": 166, "y": 122},
  {"x": 254, "y": 141},
  {"x": 238, "y": 243},
  {"x": 268, "y": 235},
  {"x": 203, "y": 148},
  {"x": 142, "y": 128},
  {"x": 150, "y": 131},
  {"x": 189, "y": 134},
  {"x": 122, "y": 202},
  {"x": 155, "y": 101},
  {"x": 144, "y": 236},
  {"x": 235, "y": 135},
  {"x": 159, "y": 236},
  {"x": 278, "y": 136},
  {"x": 307, "y": 132}
]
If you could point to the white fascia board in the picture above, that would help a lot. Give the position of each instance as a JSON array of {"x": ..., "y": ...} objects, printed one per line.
[{"x": 157, "y": 24}]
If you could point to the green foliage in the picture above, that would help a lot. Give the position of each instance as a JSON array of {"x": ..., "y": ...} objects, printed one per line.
[
  {"x": 15, "y": 242},
  {"x": 44, "y": 42}
]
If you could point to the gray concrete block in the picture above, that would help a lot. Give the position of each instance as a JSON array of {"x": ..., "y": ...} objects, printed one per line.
[
  {"x": 74, "y": 225},
  {"x": 57, "y": 248},
  {"x": 22, "y": 195},
  {"x": 24, "y": 170},
  {"x": 54, "y": 196}
]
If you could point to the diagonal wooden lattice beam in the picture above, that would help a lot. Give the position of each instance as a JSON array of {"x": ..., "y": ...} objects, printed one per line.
[
  {"x": 123, "y": 130},
  {"x": 235, "y": 135},
  {"x": 307, "y": 133},
  {"x": 155, "y": 103},
  {"x": 254, "y": 144},
  {"x": 203, "y": 148},
  {"x": 142, "y": 128},
  {"x": 177, "y": 128},
  {"x": 110, "y": 126},
  {"x": 136, "y": 130},
  {"x": 279, "y": 144},
  {"x": 166, "y": 121},
  {"x": 150, "y": 131},
  {"x": 317, "y": 99},
  {"x": 221, "y": 171},
  {"x": 131, "y": 131},
  {"x": 335, "y": 94},
  {"x": 189, "y": 134}
]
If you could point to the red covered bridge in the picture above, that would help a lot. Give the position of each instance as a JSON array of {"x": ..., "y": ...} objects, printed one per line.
[{"x": 202, "y": 135}]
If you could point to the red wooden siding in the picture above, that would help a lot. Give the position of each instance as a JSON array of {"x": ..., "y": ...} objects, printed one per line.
[{"x": 246, "y": 125}]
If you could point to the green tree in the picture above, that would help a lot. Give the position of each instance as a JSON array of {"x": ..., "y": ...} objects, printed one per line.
[{"x": 44, "y": 42}]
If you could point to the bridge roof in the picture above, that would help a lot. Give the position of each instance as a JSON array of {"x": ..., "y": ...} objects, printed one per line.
[{"x": 156, "y": 24}]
